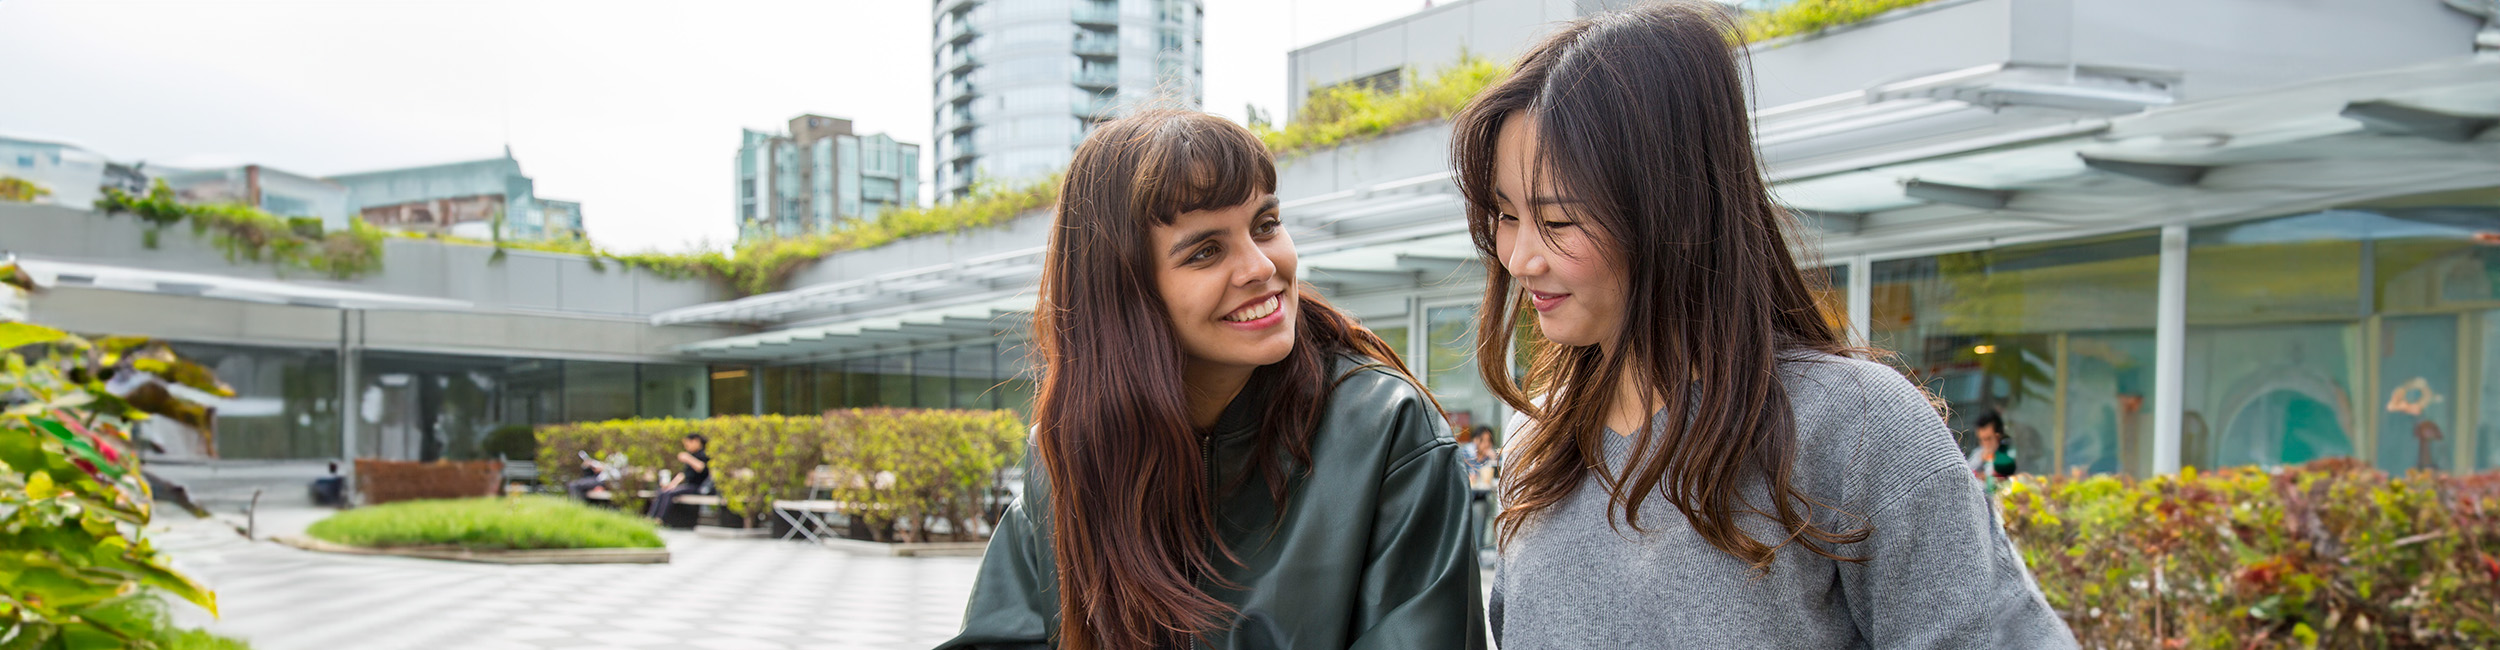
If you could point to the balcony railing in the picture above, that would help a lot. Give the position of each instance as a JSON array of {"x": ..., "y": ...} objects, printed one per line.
[
  {"x": 1098, "y": 47},
  {"x": 1097, "y": 79},
  {"x": 958, "y": 92},
  {"x": 962, "y": 64},
  {"x": 1097, "y": 15},
  {"x": 1097, "y": 107},
  {"x": 962, "y": 33}
]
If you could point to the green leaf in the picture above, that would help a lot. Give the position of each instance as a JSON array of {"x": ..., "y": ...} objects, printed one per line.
[
  {"x": 135, "y": 614},
  {"x": 18, "y": 335}
]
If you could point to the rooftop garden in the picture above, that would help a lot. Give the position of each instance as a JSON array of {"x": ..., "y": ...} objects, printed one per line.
[
  {"x": 1348, "y": 113},
  {"x": 248, "y": 233}
]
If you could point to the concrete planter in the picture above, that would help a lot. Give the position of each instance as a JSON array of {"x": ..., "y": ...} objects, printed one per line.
[{"x": 532, "y": 556}]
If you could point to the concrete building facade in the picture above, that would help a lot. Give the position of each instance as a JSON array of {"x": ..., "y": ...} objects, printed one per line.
[
  {"x": 470, "y": 199},
  {"x": 819, "y": 175}
]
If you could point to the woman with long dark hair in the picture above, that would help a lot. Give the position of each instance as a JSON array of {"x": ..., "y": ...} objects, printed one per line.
[
  {"x": 1701, "y": 460},
  {"x": 1219, "y": 456}
]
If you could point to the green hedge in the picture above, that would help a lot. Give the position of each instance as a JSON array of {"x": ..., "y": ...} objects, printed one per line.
[
  {"x": 939, "y": 460},
  {"x": 2331, "y": 554},
  {"x": 942, "y": 463}
]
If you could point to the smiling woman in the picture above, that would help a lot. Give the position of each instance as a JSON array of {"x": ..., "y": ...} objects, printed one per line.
[{"x": 1181, "y": 360}]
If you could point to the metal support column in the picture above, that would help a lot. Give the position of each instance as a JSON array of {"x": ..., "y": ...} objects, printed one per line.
[
  {"x": 2170, "y": 349},
  {"x": 1861, "y": 299}
]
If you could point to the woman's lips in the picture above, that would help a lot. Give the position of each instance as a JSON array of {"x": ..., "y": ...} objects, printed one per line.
[{"x": 1543, "y": 301}]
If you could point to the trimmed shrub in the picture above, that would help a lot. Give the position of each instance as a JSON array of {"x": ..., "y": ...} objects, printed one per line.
[
  {"x": 647, "y": 446},
  {"x": 498, "y": 523},
  {"x": 510, "y": 442},
  {"x": 940, "y": 463},
  {"x": 764, "y": 458},
  {"x": 2330, "y": 554},
  {"x": 892, "y": 465}
]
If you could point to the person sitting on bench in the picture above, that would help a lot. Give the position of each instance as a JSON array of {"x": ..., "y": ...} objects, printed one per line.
[
  {"x": 596, "y": 474},
  {"x": 695, "y": 479}
]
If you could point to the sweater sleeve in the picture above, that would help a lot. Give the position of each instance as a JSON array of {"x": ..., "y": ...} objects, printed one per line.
[{"x": 1940, "y": 573}]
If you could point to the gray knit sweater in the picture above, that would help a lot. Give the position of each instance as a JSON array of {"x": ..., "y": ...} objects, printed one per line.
[{"x": 1939, "y": 572}]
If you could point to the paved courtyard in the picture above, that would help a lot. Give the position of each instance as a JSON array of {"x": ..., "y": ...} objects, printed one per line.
[{"x": 714, "y": 594}]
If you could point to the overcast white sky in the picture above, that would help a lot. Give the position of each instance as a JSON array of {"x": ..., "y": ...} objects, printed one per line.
[{"x": 632, "y": 108}]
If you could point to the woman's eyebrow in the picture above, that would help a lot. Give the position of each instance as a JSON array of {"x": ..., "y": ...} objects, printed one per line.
[
  {"x": 1185, "y": 243},
  {"x": 1538, "y": 201}
]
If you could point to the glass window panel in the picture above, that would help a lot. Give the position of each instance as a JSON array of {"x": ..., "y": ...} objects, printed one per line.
[
  {"x": 787, "y": 390},
  {"x": 2271, "y": 394},
  {"x": 1396, "y": 337},
  {"x": 831, "y": 386},
  {"x": 285, "y": 405},
  {"x": 975, "y": 372},
  {"x": 932, "y": 380},
  {"x": 2417, "y": 392},
  {"x": 893, "y": 380},
  {"x": 1450, "y": 369},
  {"x": 673, "y": 391},
  {"x": 2486, "y": 442},
  {"x": 1830, "y": 285},
  {"x": 1016, "y": 374},
  {"x": 733, "y": 390},
  {"x": 596, "y": 390},
  {"x": 2024, "y": 331}
]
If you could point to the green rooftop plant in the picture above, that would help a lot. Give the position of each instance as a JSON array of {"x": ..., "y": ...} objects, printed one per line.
[
  {"x": 499, "y": 523},
  {"x": 76, "y": 569},
  {"x": 248, "y": 233},
  {"x": 764, "y": 265},
  {"x": 21, "y": 190},
  {"x": 758, "y": 266},
  {"x": 1352, "y": 112},
  {"x": 1345, "y": 113},
  {"x": 1809, "y": 16}
]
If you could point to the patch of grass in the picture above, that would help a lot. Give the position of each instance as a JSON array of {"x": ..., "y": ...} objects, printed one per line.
[{"x": 527, "y": 522}]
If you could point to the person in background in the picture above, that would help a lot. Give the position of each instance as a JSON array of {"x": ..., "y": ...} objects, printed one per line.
[
  {"x": 695, "y": 478},
  {"x": 1994, "y": 457},
  {"x": 1483, "y": 462}
]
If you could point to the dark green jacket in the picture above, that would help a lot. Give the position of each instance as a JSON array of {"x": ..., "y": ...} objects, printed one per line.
[{"x": 1373, "y": 550}]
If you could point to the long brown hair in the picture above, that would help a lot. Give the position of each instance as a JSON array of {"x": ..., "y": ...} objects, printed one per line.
[
  {"x": 1132, "y": 520},
  {"x": 1640, "y": 116}
]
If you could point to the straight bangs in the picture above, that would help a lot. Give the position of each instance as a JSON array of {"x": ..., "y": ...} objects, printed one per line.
[{"x": 1194, "y": 162}]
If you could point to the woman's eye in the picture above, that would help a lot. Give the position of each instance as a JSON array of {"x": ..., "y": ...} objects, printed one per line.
[
  {"x": 1503, "y": 216},
  {"x": 1203, "y": 253},
  {"x": 1550, "y": 225},
  {"x": 1268, "y": 227}
]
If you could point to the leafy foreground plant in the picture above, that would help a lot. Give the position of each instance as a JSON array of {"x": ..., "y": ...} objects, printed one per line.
[
  {"x": 2330, "y": 554},
  {"x": 75, "y": 570},
  {"x": 491, "y": 523}
]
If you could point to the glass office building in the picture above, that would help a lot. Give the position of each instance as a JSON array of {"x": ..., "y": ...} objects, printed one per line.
[{"x": 1018, "y": 83}]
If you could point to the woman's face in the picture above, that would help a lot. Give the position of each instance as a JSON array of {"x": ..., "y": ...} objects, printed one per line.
[
  {"x": 1227, "y": 277},
  {"x": 1560, "y": 264}
]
